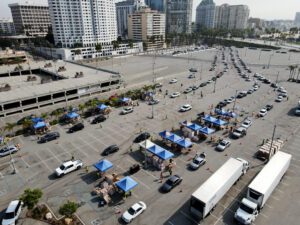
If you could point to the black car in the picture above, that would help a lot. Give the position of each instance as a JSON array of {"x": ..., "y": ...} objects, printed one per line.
[
  {"x": 142, "y": 137},
  {"x": 98, "y": 119},
  {"x": 110, "y": 149},
  {"x": 274, "y": 85},
  {"x": 172, "y": 182},
  {"x": 269, "y": 107},
  {"x": 76, "y": 127},
  {"x": 202, "y": 84},
  {"x": 49, "y": 137}
]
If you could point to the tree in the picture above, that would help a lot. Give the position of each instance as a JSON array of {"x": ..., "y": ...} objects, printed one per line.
[
  {"x": 31, "y": 197},
  {"x": 68, "y": 209},
  {"x": 77, "y": 52},
  {"x": 49, "y": 37},
  {"x": 27, "y": 123},
  {"x": 10, "y": 127},
  {"x": 81, "y": 108},
  {"x": 130, "y": 43},
  {"x": 44, "y": 116},
  {"x": 98, "y": 48},
  {"x": 115, "y": 44}
]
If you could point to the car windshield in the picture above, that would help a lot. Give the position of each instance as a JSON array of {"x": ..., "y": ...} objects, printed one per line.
[
  {"x": 246, "y": 208},
  {"x": 169, "y": 182},
  {"x": 247, "y": 122},
  {"x": 9, "y": 215},
  {"x": 238, "y": 131},
  {"x": 62, "y": 167},
  {"x": 197, "y": 161},
  {"x": 131, "y": 211},
  {"x": 223, "y": 143}
]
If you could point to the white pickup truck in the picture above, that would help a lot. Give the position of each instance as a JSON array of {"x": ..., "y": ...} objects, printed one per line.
[{"x": 68, "y": 166}]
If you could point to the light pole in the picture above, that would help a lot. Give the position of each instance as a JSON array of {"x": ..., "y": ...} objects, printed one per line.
[
  {"x": 270, "y": 60},
  {"x": 277, "y": 77},
  {"x": 234, "y": 100},
  {"x": 215, "y": 85},
  {"x": 259, "y": 55},
  {"x": 270, "y": 153},
  {"x": 12, "y": 160}
]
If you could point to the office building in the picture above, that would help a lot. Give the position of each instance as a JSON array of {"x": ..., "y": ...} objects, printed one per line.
[
  {"x": 231, "y": 16},
  {"x": 148, "y": 26},
  {"x": 7, "y": 27},
  {"x": 159, "y": 5},
  {"x": 297, "y": 19},
  {"x": 123, "y": 9},
  {"x": 179, "y": 16},
  {"x": 205, "y": 14},
  {"x": 30, "y": 19}
]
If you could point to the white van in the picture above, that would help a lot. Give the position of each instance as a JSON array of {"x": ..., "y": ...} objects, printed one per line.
[{"x": 12, "y": 213}]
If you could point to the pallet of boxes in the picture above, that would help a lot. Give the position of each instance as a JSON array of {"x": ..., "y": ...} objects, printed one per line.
[{"x": 265, "y": 150}]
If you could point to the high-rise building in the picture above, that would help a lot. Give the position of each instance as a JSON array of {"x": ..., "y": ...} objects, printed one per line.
[
  {"x": 30, "y": 19},
  {"x": 123, "y": 9},
  {"x": 81, "y": 23},
  {"x": 159, "y": 5},
  {"x": 148, "y": 26},
  {"x": 232, "y": 16},
  {"x": 7, "y": 27},
  {"x": 297, "y": 19},
  {"x": 179, "y": 16},
  {"x": 205, "y": 14}
]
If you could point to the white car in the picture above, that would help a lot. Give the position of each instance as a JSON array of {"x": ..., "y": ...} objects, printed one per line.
[
  {"x": 12, "y": 213},
  {"x": 229, "y": 100},
  {"x": 198, "y": 160},
  {"x": 223, "y": 145},
  {"x": 68, "y": 166},
  {"x": 173, "y": 81},
  {"x": 263, "y": 112},
  {"x": 247, "y": 123},
  {"x": 185, "y": 108},
  {"x": 127, "y": 110},
  {"x": 134, "y": 211},
  {"x": 175, "y": 95},
  {"x": 279, "y": 98},
  {"x": 255, "y": 88},
  {"x": 188, "y": 90},
  {"x": 7, "y": 150}
]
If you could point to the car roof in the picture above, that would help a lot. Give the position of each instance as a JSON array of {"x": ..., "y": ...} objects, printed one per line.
[
  {"x": 174, "y": 178},
  {"x": 136, "y": 206},
  {"x": 68, "y": 163},
  {"x": 12, "y": 205}
]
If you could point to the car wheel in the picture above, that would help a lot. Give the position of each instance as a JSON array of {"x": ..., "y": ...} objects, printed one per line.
[{"x": 78, "y": 167}]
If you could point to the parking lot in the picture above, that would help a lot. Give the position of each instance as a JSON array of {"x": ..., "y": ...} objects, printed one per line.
[{"x": 35, "y": 163}]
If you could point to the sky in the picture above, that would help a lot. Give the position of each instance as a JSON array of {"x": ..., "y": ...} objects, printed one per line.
[{"x": 264, "y": 9}]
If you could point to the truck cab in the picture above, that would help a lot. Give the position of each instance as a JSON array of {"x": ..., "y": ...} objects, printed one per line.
[{"x": 247, "y": 212}]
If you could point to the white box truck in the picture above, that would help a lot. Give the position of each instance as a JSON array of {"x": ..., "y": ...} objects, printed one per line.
[
  {"x": 260, "y": 189},
  {"x": 206, "y": 197}
]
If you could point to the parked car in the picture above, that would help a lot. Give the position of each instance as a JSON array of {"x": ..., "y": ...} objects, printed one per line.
[
  {"x": 188, "y": 90},
  {"x": 247, "y": 123},
  {"x": 198, "y": 161},
  {"x": 223, "y": 145},
  {"x": 255, "y": 87},
  {"x": 158, "y": 85},
  {"x": 239, "y": 132},
  {"x": 7, "y": 150},
  {"x": 185, "y": 108},
  {"x": 172, "y": 182},
  {"x": 274, "y": 85},
  {"x": 153, "y": 102},
  {"x": 263, "y": 112},
  {"x": 175, "y": 94},
  {"x": 110, "y": 149},
  {"x": 12, "y": 213},
  {"x": 191, "y": 76},
  {"x": 68, "y": 167},
  {"x": 193, "y": 70},
  {"x": 250, "y": 91},
  {"x": 98, "y": 119},
  {"x": 195, "y": 87},
  {"x": 269, "y": 107},
  {"x": 297, "y": 111},
  {"x": 76, "y": 127},
  {"x": 134, "y": 211},
  {"x": 127, "y": 110},
  {"x": 142, "y": 137},
  {"x": 173, "y": 81},
  {"x": 279, "y": 98},
  {"x": 49, "y": 137},
  {"x": 202, "y": 84}
]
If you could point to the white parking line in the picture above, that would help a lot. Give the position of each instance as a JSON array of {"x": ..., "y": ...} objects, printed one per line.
[
  {"x": 54, "y": 155},
  {"x": 79, "y": 149},
  {"x": 97, "y": 139},
  {"x": 43, "y": 162},
  {"x": 93, "y": 148}
]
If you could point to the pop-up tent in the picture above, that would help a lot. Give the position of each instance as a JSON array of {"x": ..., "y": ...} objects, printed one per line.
[
  {"x": 124, "y": 99},
  {"x": 165, "y": 155},
  {"x": 209, "y": 118},
  {"x": 185, "y": 143},
  {"x": 186, "y": 123},
  {"x": 39, "y": 125},
  {"x": 37, "y": 119},
  {"x": 155, "y": 149},
  {"x": 72, "y": 115},
  {"x": 174, "y": 138},
  {"x": 103, "y": 165},
  {"x": 102, "y": 106},
  {"x": 219, "y": 122},
  {"x": 126, "y": 184},
  {"x": 165, "y": 134},
  {"x": 194, "y": 127},
  {"x": 206, "y": 130},
  {"x": 146, "y": 144}
]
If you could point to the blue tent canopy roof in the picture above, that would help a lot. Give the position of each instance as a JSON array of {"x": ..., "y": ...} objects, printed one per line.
[
  {"x": 165, "y": 155},
  {"x": 209, "y": 118},
  {"x": 219, "y": 122},
  {"x": 155, "y": 149},
  {"x": 185, "y": 143},
  {"x": 124, "y": 99},
  {"x": 174, "y": 138},
  {"x": 39, "y": 125},
  {"x": 72, "y": 115},
  {"x": 103, "y": 165},
  {"x": 102, "y": 106},
  {"x": 37, "y": 119},
  {"x": 126, "y": 183},
  {"x": 207, "y": 130},
  {"x": 165, "y": 134},
  {"x": 194, "y": 127}
]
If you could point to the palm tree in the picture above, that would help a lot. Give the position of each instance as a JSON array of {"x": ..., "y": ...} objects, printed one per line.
[
  {"x": 10, "y": 127},
  {"x": 44, "y": 116},
  {"x": 98, "y": 48},
  {"x": 27, "y": 123},
  {"x": 291, "y": 68},
  {"x": 115, "y": 44},
  {"x": 298, "y": 74},
  {"x": 81, "y": 108}
]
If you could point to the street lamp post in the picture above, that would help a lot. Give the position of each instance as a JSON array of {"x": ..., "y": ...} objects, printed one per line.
[
  {"x": 12, "y": 161},
  {"x": 270, "y": 153},
  {"x": 234, "y": 101}
]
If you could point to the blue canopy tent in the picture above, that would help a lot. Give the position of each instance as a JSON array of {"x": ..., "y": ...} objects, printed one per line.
[
  {"x": 219, "y": 122},
  {"x": 174, "y": 138},
  {"x": 165, "y": 134},
  {"x": 225, "y": 113},
  {"x": 209, "y": 118},
  {"x": 124, "y": 99},
  {"x": 186, "y": 123},
  {"x": 185, "y": 143},
  {"x": 155, "y": 149},
  {"x": 37, "y": 119},
  {"x": 194, "y": 127},
  {"x": 39, "y": 125},
  {"x": 103, "y": 165},
  {"x": 165, "y": 155},
  {"x": 207, "y": 130},
  {"x": 102, "y": 107},
  {"x": 72, "y": 115},
  {"x": 126, "y": 184}
]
